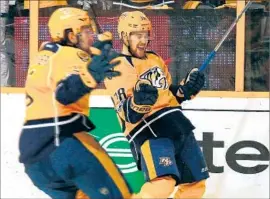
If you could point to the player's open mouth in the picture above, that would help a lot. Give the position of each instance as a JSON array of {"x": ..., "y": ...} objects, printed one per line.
[{"x": 140, "y": 48}]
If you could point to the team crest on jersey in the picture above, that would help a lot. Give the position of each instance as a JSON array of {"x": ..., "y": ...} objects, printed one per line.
[
  {"x": 156, "y": 76},
  {"x": 83, "y": 56},
  {"x": 165, "y": 161}
]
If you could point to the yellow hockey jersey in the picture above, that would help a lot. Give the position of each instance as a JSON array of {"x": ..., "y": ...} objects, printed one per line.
[
  {"x": 165, "y": 118},
  {"x": 53, "y": 64},
  {"x": 57, "y": 100},
  {"x": 132, "y": 69}
]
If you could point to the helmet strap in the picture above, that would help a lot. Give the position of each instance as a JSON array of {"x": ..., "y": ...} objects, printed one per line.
[
  {"x": 77, "y": 45},
  {"x": 126, "y": 43}
]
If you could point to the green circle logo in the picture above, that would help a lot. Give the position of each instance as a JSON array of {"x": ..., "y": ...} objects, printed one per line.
[{"x": 118, "y": 149}]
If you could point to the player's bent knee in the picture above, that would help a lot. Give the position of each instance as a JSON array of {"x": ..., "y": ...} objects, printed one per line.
[
  {"x": 158, "y": 188},
  {"x": 191, "y": 190}
]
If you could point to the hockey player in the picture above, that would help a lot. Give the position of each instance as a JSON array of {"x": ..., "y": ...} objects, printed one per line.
[
  {"x": 160, "y": 136},
  {"x": 59, "y": 156}
]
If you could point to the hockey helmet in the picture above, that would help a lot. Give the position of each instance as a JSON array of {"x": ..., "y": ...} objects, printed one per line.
[
  {"x": 132, "y": 22},
  {"x": 68, "y": 18}
]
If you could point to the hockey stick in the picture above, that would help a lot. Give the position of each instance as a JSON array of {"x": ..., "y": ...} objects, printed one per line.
[
  {"x": 213, "y": 53},
  {"x": 86, "y": 5},
  {"x": 99, "y": 29}
]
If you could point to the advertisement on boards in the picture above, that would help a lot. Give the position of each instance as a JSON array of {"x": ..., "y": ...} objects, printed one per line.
[{"x": 235, "y": 144}]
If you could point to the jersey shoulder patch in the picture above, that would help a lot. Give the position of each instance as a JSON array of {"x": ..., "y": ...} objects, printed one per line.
[
  {"x": 83, "y": 56},
  {"x": 53, "y": 47}
]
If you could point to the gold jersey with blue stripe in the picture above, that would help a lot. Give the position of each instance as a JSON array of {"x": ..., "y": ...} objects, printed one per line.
[
  {"x": 151, "y": 69},
  {"x": 57, "y": 90}
]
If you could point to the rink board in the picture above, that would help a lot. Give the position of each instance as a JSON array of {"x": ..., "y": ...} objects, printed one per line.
[{"x": 233, "y": 133}]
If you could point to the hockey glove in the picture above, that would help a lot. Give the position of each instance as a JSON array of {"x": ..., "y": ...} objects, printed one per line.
[
  {"x": 192, "y": 84},
  {"x": 144, "y": 97},
  {"x": 101, "y": 65}
]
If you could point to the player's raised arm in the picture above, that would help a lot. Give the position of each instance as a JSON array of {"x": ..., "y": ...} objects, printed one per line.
[{"x": 84, "y": 78}]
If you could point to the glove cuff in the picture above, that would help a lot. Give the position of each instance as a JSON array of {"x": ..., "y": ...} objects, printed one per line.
[
  {"x": 140, "y": 108},
  {"x": 183, "y": 93},
  {"x": 87, "y": 78}
]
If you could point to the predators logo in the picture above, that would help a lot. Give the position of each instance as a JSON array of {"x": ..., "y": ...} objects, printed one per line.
[
  {"x": 165, "y": 161},
  {"x": 156, "y": 77}
]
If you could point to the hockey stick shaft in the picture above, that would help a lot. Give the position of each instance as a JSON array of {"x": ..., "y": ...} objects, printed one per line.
[
  {"x": 213, "y": 53},
  {"x": 86, "y": 5},
  {"x": 99, "y": 29}
]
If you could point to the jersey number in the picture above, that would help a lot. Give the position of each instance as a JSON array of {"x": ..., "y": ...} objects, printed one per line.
[{"x": 120, "y": 94}]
